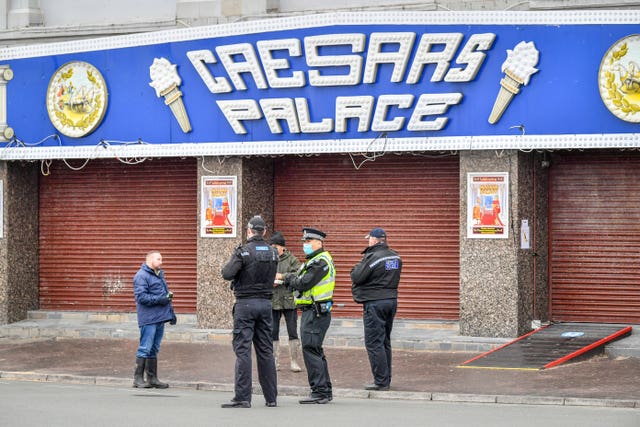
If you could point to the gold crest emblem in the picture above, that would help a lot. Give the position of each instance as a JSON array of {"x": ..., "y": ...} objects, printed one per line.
[
  {"x": 619, "y": 79},
  {"x": 76, "y": 99}
]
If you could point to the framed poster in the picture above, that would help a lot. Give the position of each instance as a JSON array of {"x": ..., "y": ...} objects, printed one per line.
[
  {"x": 488, "y": 205},
  {"x": 218, "y": 210}
]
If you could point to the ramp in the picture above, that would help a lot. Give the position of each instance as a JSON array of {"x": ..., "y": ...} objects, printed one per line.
[{"x": 550, "y": 346}]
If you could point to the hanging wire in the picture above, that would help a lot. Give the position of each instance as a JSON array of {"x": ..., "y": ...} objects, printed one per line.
[
  {"x": 220, "y": 159},
  {"x": 519, "y": 127},
  {"x": 106, "y": 144},
  {"x": 435, "y": 156},
  {"x": 371, "y": 157},
  {"x": 76, "y": 168},
  {"x": 46, "y": 163},
  {"x": 205, "y": 168},
  {"x": 18, "y": 143}
]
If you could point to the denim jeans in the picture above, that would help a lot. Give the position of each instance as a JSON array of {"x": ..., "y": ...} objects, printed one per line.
[{"x": 150, "y": 338}]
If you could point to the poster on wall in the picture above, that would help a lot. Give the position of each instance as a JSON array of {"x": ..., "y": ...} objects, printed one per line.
[
  {"x": 218, "y": 211},
  {"x": 488, "y": 205}
]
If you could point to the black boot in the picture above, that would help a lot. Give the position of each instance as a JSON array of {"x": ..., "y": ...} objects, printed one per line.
[
  {"x": 152, "y": 374},
  {"x": 138, "y": 376}
]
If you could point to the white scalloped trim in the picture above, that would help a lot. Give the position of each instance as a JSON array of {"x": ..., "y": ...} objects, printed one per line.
[
  {"x": 390, "y": 17},
  {"x": 277, "y": 148}
]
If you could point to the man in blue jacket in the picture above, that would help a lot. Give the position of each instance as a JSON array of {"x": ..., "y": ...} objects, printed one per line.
[{"x": 154, "y": 309}]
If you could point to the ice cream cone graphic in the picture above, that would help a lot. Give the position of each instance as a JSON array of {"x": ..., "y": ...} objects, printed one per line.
[
  {"x": 166, "y": 82},
  {"x": 518, "y": 68}
]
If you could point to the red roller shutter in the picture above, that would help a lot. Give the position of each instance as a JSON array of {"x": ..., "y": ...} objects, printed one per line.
[
  {"x": 416, "y": 200},
  {"x": 96, "y": 225},
  {"x": 595, "y": 238}
]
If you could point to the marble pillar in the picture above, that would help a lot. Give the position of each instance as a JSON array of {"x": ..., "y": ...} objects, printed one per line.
[
  {"x": 501, "y": 284},
  {"x": 255, "y": 197},
  {"x": 19, "y": 241}
]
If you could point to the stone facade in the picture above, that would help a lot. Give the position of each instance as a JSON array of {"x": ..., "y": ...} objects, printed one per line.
[
  {"x": 19, "y": 245},
  {"x": 502, "y": 287},
  {"x": 498, "y": 280},
  {"x": 255, "y": 197}
]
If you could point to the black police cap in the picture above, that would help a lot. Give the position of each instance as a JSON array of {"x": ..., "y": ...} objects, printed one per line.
[
  {"x": 257, "y": 223},
  {"x": 313, "y": 233}
]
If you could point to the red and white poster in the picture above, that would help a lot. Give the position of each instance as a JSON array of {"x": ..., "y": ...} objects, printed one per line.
[
  {"x": 218, "y": 211},
  {"x": 488, "y": 205}
]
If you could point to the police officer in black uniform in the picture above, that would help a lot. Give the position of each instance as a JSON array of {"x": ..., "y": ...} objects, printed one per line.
[
  {"x": 375, "y": 285},
  {"x": 252, "y": 270},
  {"x": 313, "y": 286}
]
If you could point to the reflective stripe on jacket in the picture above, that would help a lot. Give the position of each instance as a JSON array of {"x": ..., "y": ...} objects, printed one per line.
[{"x": 323, "y": 290}]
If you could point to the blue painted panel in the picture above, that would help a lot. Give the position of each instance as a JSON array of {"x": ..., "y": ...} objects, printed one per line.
[{"x": 561, "y": 98}]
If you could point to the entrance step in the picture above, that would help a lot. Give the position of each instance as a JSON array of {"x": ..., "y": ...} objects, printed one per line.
[{"x": 344, "y": 332}]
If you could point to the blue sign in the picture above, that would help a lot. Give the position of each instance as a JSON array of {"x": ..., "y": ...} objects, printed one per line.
[{"x": 332, "y": 82}]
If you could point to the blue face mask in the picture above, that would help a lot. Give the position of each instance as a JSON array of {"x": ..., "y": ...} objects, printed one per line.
[{"x": 306, "y": 247}]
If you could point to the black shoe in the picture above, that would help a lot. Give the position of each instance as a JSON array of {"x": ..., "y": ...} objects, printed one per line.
[
  {"x": 376, "y": 387},
  {"x": 320, "y": 400},
  {"x": 271, "y": 404},
  {"x": 236, "y": 404}
]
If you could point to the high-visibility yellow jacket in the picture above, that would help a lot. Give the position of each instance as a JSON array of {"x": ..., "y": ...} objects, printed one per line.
[{"x": 323, "y": 290}]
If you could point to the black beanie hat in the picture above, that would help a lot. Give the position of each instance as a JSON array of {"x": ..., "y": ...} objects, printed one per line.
[{"x": 277, "y": 239}]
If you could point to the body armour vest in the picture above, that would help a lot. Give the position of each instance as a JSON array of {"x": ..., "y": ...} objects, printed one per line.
[{"x": 255, "y": 280}]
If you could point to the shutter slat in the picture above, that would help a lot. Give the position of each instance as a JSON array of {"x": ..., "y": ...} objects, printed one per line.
[
  {"x": 416, "y": 200},
  {"x": 97, "y": 224},
  {"x": 595, "y": 236}
]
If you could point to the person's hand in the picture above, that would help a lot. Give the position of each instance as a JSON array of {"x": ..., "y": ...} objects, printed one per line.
[
  {"x": 162, "y": 300},
  {"x": 287, "y": 278},
  {"x": 170, "y": 295}
]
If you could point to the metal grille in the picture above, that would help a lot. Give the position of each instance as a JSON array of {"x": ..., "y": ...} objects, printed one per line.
[
  {"x": 97, "y": 224},
  {"x": 415, "y": 199},
  {"x": 595, "y": 237}
]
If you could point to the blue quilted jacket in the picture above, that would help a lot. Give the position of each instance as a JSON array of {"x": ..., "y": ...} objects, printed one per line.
[{"x": 150, "y": 290}]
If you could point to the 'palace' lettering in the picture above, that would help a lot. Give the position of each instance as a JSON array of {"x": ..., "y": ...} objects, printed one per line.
[{"x": 295, "y": 112}]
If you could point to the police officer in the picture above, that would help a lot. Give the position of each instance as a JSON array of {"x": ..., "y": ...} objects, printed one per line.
[
  {"x": 314, "y": 284},
  {"x": 252, "y": 270},
  {"x": 375, "y": 285}
]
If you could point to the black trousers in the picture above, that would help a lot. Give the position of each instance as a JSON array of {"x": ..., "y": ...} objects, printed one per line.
[
  {"x": 378, "y": 322},
  {"x": 290, "y": 318},
  {"x": 252, "y": 324},
  {"x": 312, "y": 332}
]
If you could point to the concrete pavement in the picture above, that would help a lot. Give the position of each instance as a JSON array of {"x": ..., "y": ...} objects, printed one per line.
[{"x": 99, "y": 348}]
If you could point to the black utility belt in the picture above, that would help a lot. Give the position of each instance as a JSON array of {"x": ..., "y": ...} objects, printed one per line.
[{"x": 320, "y": 307}]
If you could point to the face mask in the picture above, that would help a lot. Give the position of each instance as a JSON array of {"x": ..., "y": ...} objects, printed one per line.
[{"x": 306, "y": 247}]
